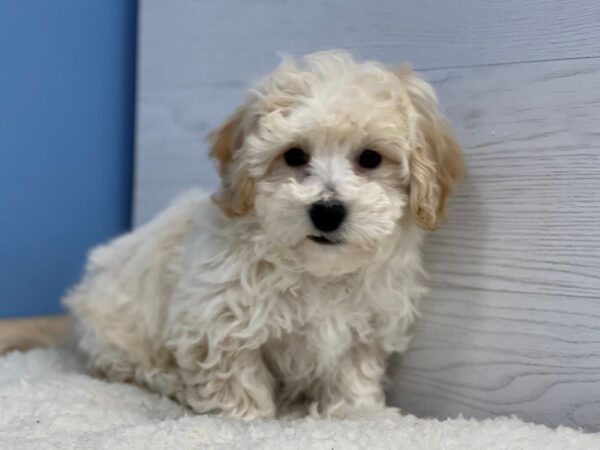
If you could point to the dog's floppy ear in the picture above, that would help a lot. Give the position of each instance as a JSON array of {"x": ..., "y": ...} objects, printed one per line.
[
  {"x": 236, "y": 196},
  {"x": 436, "y": 161}
]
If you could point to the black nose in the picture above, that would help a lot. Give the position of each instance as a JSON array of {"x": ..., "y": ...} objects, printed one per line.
[{"x": 327, "y": 215}]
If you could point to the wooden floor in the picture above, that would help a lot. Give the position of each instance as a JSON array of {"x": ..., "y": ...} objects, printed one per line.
[{"x": 22, "y": 334}]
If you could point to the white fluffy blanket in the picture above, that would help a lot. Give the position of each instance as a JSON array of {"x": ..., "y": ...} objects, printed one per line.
[{"x": 47, "y": 402}]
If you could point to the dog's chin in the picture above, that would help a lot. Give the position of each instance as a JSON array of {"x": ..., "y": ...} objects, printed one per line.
[
  {"x": 324, "y": 240},
  {"x": 324, "y": 256}
]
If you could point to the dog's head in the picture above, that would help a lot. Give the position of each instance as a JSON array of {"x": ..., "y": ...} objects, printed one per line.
[{"x": 335, "y": 157}]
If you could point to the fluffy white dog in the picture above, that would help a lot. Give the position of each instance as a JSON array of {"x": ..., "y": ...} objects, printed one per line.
[{"x": 295, "y": 283}]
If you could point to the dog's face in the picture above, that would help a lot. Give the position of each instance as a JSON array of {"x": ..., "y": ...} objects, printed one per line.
[{"x": 335, "y": 157}]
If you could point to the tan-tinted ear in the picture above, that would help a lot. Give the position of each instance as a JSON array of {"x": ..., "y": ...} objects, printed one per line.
[
  {"x": 236, "y": 196},
  {"x": 436, "y": 162}
]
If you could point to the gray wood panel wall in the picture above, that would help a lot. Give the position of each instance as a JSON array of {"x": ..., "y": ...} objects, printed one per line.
[{"x": 512, "y": 324}]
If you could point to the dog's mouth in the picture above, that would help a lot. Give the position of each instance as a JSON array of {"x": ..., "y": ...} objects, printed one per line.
[{"x": 322, "y": 240}]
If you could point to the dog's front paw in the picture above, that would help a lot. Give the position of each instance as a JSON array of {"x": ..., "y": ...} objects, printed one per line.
[
  {"x": 239, "y": 407},
  {"x": 250, "y": 413},
  {"x": 344, "y": 410}
]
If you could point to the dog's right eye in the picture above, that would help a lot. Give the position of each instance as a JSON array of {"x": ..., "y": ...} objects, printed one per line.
[
  {"x": 369, "y": 159},
  {"x": 295, "y": 157}
]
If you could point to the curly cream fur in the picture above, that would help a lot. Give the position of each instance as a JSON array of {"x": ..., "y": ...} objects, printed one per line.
[{"x": 225, "y": 305}]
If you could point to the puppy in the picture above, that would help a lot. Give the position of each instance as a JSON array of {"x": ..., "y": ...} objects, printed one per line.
[{"x": 297, "y": 280}]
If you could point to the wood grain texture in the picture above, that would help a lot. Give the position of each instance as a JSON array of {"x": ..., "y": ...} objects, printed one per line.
[
  {"x": 512, "y": 324},
  {"x": 190, "y": 42}
]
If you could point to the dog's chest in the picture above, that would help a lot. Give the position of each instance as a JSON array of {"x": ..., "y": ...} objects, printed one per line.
[{"x": 321, "y": 324}]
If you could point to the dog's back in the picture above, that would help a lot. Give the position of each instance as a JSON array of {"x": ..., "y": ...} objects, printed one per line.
[{"x": 120, "y": 304}]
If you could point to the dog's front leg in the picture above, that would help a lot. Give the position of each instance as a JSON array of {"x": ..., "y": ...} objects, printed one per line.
[
  {"x": 355, "y": 388},
  {"x": 229, "y": 383},
  {"x": 221, "y": 365},
  {"x": 239, "y": 386}
]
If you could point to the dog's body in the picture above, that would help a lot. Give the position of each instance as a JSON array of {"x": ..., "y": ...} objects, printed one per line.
[{"x": 302, "y": 277}]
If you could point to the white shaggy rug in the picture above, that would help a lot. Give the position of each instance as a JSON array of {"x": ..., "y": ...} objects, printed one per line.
[{"x": 47, "y": 403}]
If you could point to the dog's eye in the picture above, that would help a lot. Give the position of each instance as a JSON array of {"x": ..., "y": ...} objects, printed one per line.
[
  {"x": 369, "y": 159},
  {"x": 296, "y": 157}
]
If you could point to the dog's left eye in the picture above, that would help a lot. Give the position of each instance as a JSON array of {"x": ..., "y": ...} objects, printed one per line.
[
  {"x": 369, "y": 159},
  {"x": 295, "y": 157}
]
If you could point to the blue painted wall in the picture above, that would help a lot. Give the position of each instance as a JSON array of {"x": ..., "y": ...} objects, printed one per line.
[{"x": 66, "y": 142}]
